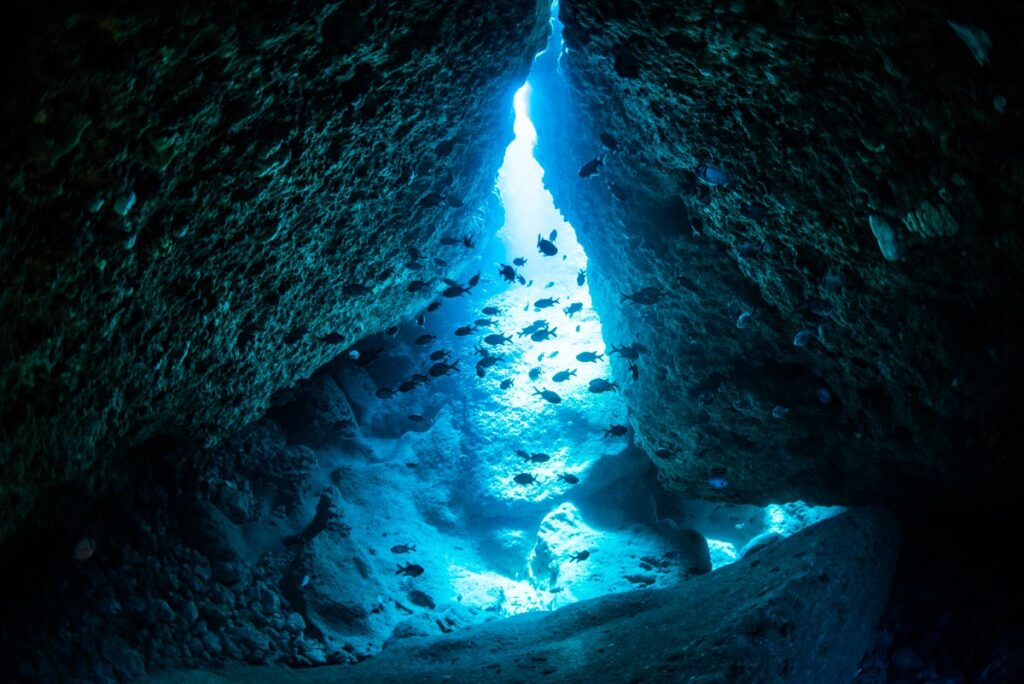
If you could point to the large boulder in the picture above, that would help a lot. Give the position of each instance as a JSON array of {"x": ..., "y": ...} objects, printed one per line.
[
  {"x": 801, "y": 610},
  {"x": 824, "y": 200},
  {"x": 204, "y": 201}
]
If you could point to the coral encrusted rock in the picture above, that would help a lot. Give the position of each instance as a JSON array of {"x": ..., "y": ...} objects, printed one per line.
[
  {"x": 205, "y": 201},
  {"x": 816, "y": 210}
]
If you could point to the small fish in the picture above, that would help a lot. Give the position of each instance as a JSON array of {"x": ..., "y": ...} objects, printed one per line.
[
  {"x": 410, "y": 570},
  {"x": 615, "y": 430},
  {"x": 545, "y": 303},
  {"x": 780, "y": 411},
  {"x": 467, "y": 242},
  {"x": 483, "y": 322},
  {"x": 506, "y": 383},
  {"x": 591, "y": 167},
  {"x": 414, "y": 252},
  {"x": 413, "y": 265},
  {"x": 744, "y": 320},
  {"x": 609, "y": 142},
  {"x": 718, "y": 482},
  {"x": 385, "y": 274},
  {"x": 488, "y": 361},
  {"x": 403, "y": 548},
  {"x": 415, "y": 286},
  {"x": 625, "y": 352},
  {"x": 519, "y": 261},
  {"x": 525, "y": 479},
  {"x": 440, "y": 354},
  {"x": 562, "y": 376},
  {"x": 507, "y": 273},
  {"x": 391, "y": 332},
  {"x": 589, "y": 357},
  {"x": 455, "y": 291},
  {"x": 333, "y": 338},
  {"x": 433, "y": 199},
  {"x": 491, "y": 311},
  {"x": 569, "y": 478},
  {"x": 548, "y": 396},
  {"x": 535, "y": 374},
  {"x": 421, "y": 320},
  {"x": 553, "y": 235},
  {"x": 646, "y": 295},
  {"x": 433, "y": 306},
  {"x": 464, "y": 330},
  {"x": 368, "y": 356},
  {"x": 573, "y": 308},
  {"x": 385, "y": 393},
  {"x": 497, "y": 339},
  {"x": 581, "y": 556},
  {"x": 474, "y": 280},
  {"x": 600, "y": 385},
  {"x": 581, "y": 277},
  {"x": 712, "y": 176},
  {"x": 802, "y": 338},
  {"x": 355, "y": 290},
  {"x": 425, "y": 338},
  {"x": 664, "y": 453},
  {"x": 415, "y": 417},
  {"x": 546, "y": 247},
  {"x": 522, "y": 281},
  {"x": 408, "y": 386},
  {"x": 440, "y": 369},
  {"x": 551, "y": 283},
  {"x": 539, "y": 458},
  {"x": 543, "y": 335},
  {"x": 634, "y": 370}
]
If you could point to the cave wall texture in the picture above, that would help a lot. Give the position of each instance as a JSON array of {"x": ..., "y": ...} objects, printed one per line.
[
  {"x": 761, "y": 146},
  {"x": 205, "y": 201}
]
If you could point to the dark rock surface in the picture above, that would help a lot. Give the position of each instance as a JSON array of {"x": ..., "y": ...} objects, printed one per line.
[
  {"x": 799, "y": 611},
  {"x": 203, "y": 201},
  {"x": 761, "y": 147}
]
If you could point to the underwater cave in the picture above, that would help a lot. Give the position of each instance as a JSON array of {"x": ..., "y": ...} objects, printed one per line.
[{"x": 596, "y": 340}]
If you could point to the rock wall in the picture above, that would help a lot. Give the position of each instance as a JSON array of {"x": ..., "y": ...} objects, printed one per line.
[
  {"x": 203, "y": 201},
  {"x": 801, "y": 610},
  {"x": 826, "y": 199}
]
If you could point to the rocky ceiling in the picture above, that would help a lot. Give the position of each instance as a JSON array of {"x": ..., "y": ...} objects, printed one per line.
[
  {"x": 205, "y": 201},
  {"x": 816, "y": 208}
]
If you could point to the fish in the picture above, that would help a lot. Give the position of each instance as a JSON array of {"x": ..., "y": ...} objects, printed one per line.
[
  {"x": 634, "y": 370},
  {"x": 664, "y": 453},
  {"x": 368, "y": 356},
  {"x": 545, "y": 303},
  {"x": 591, "y": 167},
  {"x": 415, "y": 417},
  {"x": 491, "y": 311},
  {"x": 421, "y": 320},
  {"x": 467, "y": 242},
  {"x": 403, "y": 548},
  {"x": 569, "y": 478},
  {"x": 581, "y": 277},
  {"x": 712, "y": 176},
  {"x": 625, "y": 352},
  {"x": 432, "y": 199},
  {"x": 464, "y": 330},
  {"x": 562, "y": 376},
  {"x": 543, "y": 335},
  {"x": 440, "y": 369},
  {"x": 522, "y": 281},
  {"x": 440, "y": 354},
  {"x": 546, "y": 247},
  {"x": 553, "y": 235},
  {"x": 410, "y": 570},
  {"x": 425, "y": 338},
  {"x": 743, "y": 321},
  {"x": 420, "y": 378},
  {"x": 539, "y": 458},
  {"x": 548, "y": 396},
  {"x": 718, "y": 482},
  {"x": 573, "y": 308},
  {"x": 525, "y": 479},
  {"x": 507, "y": 273},
  {"x": 519, "y": 261},
  {"x": 600, "y": 385},
  {"x": 581, "y": 556},
  {"x": 535, "y": 374},
  {"x": 385, "y": 274},
  {"x": 589, "y": 357},
  {"x": 483, "y": 322},
  {"x": 615, "y": 430},
  {"x": 355, "y": 290},
  {"x": 433, "y": 306},
  {"x": 488, "y": 361},
  {"x": 497, "y": 339},
  {"x": 392, "y": 331},
  {"x": 474, "y": 280},
  {"x": 413, "y": 265},
  {"x": 506, "y": 383},
  {"x": 415, "y": 286},
  {"x": 646, "y": 295},
  {"x": 385, "y": 393},
  {"x": 414, "y": 253},
  {"x": 333, "y": 338},
  {"x": 408, "y": 386},
  {"x": 608, "y": 141},
  {"x": 455, "y": 291}
]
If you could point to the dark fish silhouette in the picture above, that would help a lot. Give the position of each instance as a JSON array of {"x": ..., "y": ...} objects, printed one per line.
[
  {"x": 546, "y": 247},
  {"x": 491, "y": 310},
  {"x": 333, "y": 338},
  {"x": 525, "y": 479},
  {"x": 403, "y": 548},
  {"x": 589, "y": 357},
  {"x": 615, "y": 430},
  {"x": 519, "y": 261},
  {"x": 474, "y": 280},
  {"x": 569, "y": 478},
  {"x": 483, "y": 322},
  {"x": 581, "y": 556},
  {"x": 548, "y": 396},
  {"x": 600, "y": 385},
  {"x": 562, "y": 376},
  {"x": 581, "y": 277},
  {"x": 626, "y": 352},
  {"x": 464, "y": 330},
  {"x": 608, "y": 141},
  {"x": 425, "y": 338},
  {"x": 455, "y": 291},
  {"x": 410, "y": 570},
  {"x": 433, "y": 306},
  {"x": 433, "y": 199},
  {"x": 391, "y": 332},
  {"x": 415, "y": 286},
  {"x": 440, "y": 369},
  {"x": 415, "y": 417},
  {"x": 507, "y": 273},
  {"x": 591, "y": 167},
  {"x": 506, "y": 383},
  {"x": 573, "y": 308},
  {"x": 440, "y": 354},
  {"x": 543, "y": 335},
  {"x": 545, "y": 303},
  {"x": 497, "y": 339},
  {"x": 533, "y": 327},
  {"x": 535, "y": 373},
  {"x": 385, "y": 393}
]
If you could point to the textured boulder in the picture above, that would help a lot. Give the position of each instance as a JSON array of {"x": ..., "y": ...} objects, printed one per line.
[
  {"x": 801, "y": 610},
  {"x": 828, "y": 196},
  {"x": 202, "y": 201}
]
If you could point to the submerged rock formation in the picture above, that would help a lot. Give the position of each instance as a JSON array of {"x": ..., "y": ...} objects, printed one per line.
[
  {"x": 205, "y": 201},
  {"x": 799, "y": 611},
  {"x": 816, "y": 207}
]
